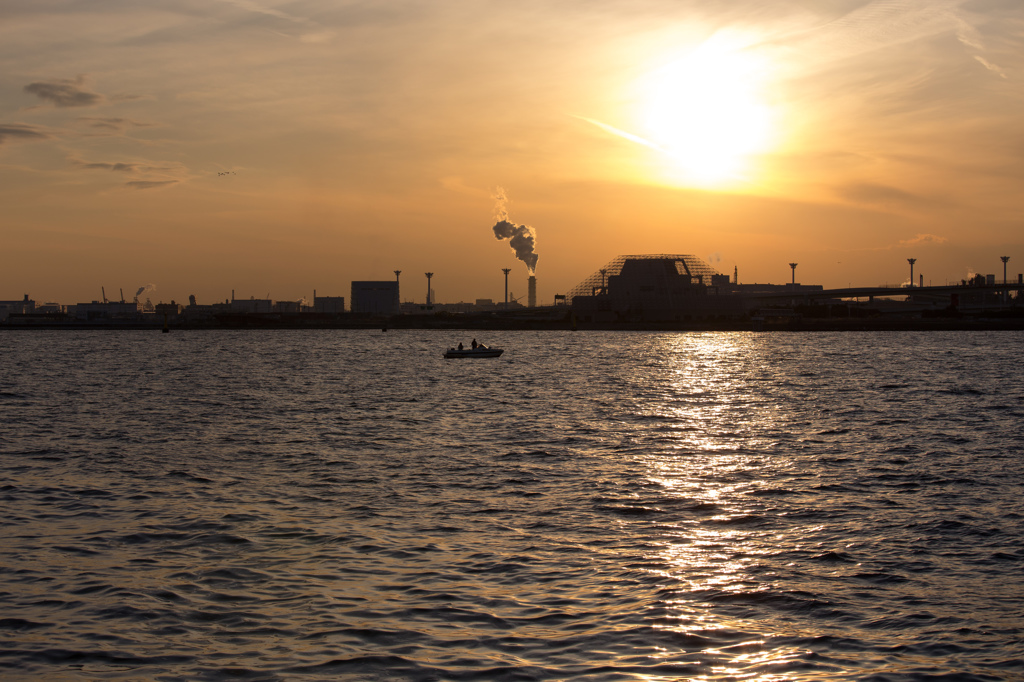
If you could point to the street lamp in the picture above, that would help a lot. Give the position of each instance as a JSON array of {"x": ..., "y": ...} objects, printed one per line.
[
  {"x": 398, "y": 292},
  {"x": 506, "y": 271},
  {"x": 1006, "y": 292}
]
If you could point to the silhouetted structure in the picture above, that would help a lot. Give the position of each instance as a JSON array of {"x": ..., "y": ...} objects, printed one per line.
[
  {"x": 655, "y": 288},
  {"x": 328, "y": 305},
  {"x": 23, "y": 307},
  {"x": 375, "y": 298},
  {"x": 1005, "y": 259}
]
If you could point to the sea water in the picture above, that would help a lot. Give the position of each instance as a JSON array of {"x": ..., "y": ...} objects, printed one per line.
[{"x": 348, "y": 505}]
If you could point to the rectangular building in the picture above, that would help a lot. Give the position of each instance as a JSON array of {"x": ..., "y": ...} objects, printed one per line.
[
  {"x": 111, "y": 310},
  {"x": 252, "y": 306},
  {"x": 375, "y": 298},
  {"x": 330, "y": 305},
  {"x": 22, "y": 307}
]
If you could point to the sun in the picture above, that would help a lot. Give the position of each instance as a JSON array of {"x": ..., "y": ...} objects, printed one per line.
[{"x": 706, "y": 110}]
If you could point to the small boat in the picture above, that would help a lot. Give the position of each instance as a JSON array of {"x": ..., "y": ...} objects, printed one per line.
[{"x": 480, "y": 351}]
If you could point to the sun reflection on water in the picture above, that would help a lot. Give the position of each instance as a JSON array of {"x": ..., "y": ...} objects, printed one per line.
[{"x": 713, "y": 457}]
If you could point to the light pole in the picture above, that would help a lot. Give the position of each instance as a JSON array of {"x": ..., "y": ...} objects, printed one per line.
[
  {"x": 1006, "y": 292},
  {"x": 429, "y": 275},
  {"x": 506, "y": 271},
  {"x": 793, "y": 266},
  {"x": 911, "y": 261},
  {"x": 398, "y": 292}
]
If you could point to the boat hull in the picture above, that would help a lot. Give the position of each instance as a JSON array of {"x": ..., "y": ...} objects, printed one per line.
[{"x": 473, "y": 353}]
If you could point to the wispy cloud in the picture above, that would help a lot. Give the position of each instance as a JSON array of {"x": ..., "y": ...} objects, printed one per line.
[
  {"x": 112, "y": 124},
  {"x": 924, "y": 239},
  {"x": 129, "y": 166},
  {"x": 887, "y": 23},
  {"x": 995, "y": 68},
  {"x": 150, "y": 184},
  {"x": 621, "y": 133},
  {"x": 969, "y": 36},
  {"x": 315, "y": 34},
  {"x": 875, "y": 194},
  {"x": 20, "y": 131},
  {"x": 64, "y": 92},
  {"x": 256, "y": 8},
  {"x": 116, "y": 167},
  {"x": 143, "y": 174}
]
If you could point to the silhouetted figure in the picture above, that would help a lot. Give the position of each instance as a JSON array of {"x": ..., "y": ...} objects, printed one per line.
[
  {"x": 474, "y": 344},
  {"x": 460, "y": 345}
]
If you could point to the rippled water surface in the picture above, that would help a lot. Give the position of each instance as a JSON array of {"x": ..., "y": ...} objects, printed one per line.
[{"x": 618, "y": 506}]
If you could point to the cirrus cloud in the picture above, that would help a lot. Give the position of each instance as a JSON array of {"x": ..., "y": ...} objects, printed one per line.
[
  {"x": 924, "y": 239},
  {"x": 21, "y": 131},
  {"x": 63, "y": 92},
  {"x": 150, "y": 184},
  {"x": 112, "y": 124}
]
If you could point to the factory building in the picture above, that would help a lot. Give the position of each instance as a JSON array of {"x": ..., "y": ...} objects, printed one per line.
[
  {"x": 375, "y": 298},
  {"x": 328, "y": 305},
  {"x": 25, "y": 306},
  {"x": 171, "y": 309},
  {"x": 105, "y": 310},
  {"x": 251, "y": 306}
]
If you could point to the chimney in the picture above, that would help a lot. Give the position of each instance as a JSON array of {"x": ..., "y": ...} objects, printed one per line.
[{"x": 531, "y": 296}]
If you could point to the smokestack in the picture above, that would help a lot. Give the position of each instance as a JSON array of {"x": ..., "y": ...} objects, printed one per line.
[{"x": 531, "y": 296}]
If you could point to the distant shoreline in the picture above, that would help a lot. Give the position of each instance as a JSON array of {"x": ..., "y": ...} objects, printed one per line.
[{"x": 500, "y": 324}]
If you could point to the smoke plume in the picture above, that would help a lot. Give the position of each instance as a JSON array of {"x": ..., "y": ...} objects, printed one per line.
[
  {"x": 144, "y": 288},
  {"x": 521, "y": 238}
]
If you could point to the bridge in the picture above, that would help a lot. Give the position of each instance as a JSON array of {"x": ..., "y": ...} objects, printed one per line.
[{"x": 966, "y": 291}]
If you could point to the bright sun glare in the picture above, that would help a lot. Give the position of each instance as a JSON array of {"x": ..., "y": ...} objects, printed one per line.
[{"x": 705, "y": 110}]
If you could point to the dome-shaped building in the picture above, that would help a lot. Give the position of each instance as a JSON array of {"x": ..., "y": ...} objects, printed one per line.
[{"x": 662, "y": 287}]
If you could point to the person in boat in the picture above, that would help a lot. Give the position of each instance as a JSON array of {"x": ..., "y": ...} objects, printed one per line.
[
  {"x": 474, "y": 344},
  {"x": 460, "y": 345}
]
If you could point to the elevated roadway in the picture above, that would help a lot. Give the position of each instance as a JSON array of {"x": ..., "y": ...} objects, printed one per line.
[{"x": 890, "y": 292}]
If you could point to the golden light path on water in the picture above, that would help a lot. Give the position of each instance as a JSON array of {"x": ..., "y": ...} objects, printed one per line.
[{"x": 720, "y": 421}]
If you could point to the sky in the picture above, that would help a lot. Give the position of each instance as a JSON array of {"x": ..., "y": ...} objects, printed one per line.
[{"x": 274, "y": 149}]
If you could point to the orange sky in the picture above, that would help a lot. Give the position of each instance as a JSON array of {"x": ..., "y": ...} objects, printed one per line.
[{"x": 280, "y": 147}]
